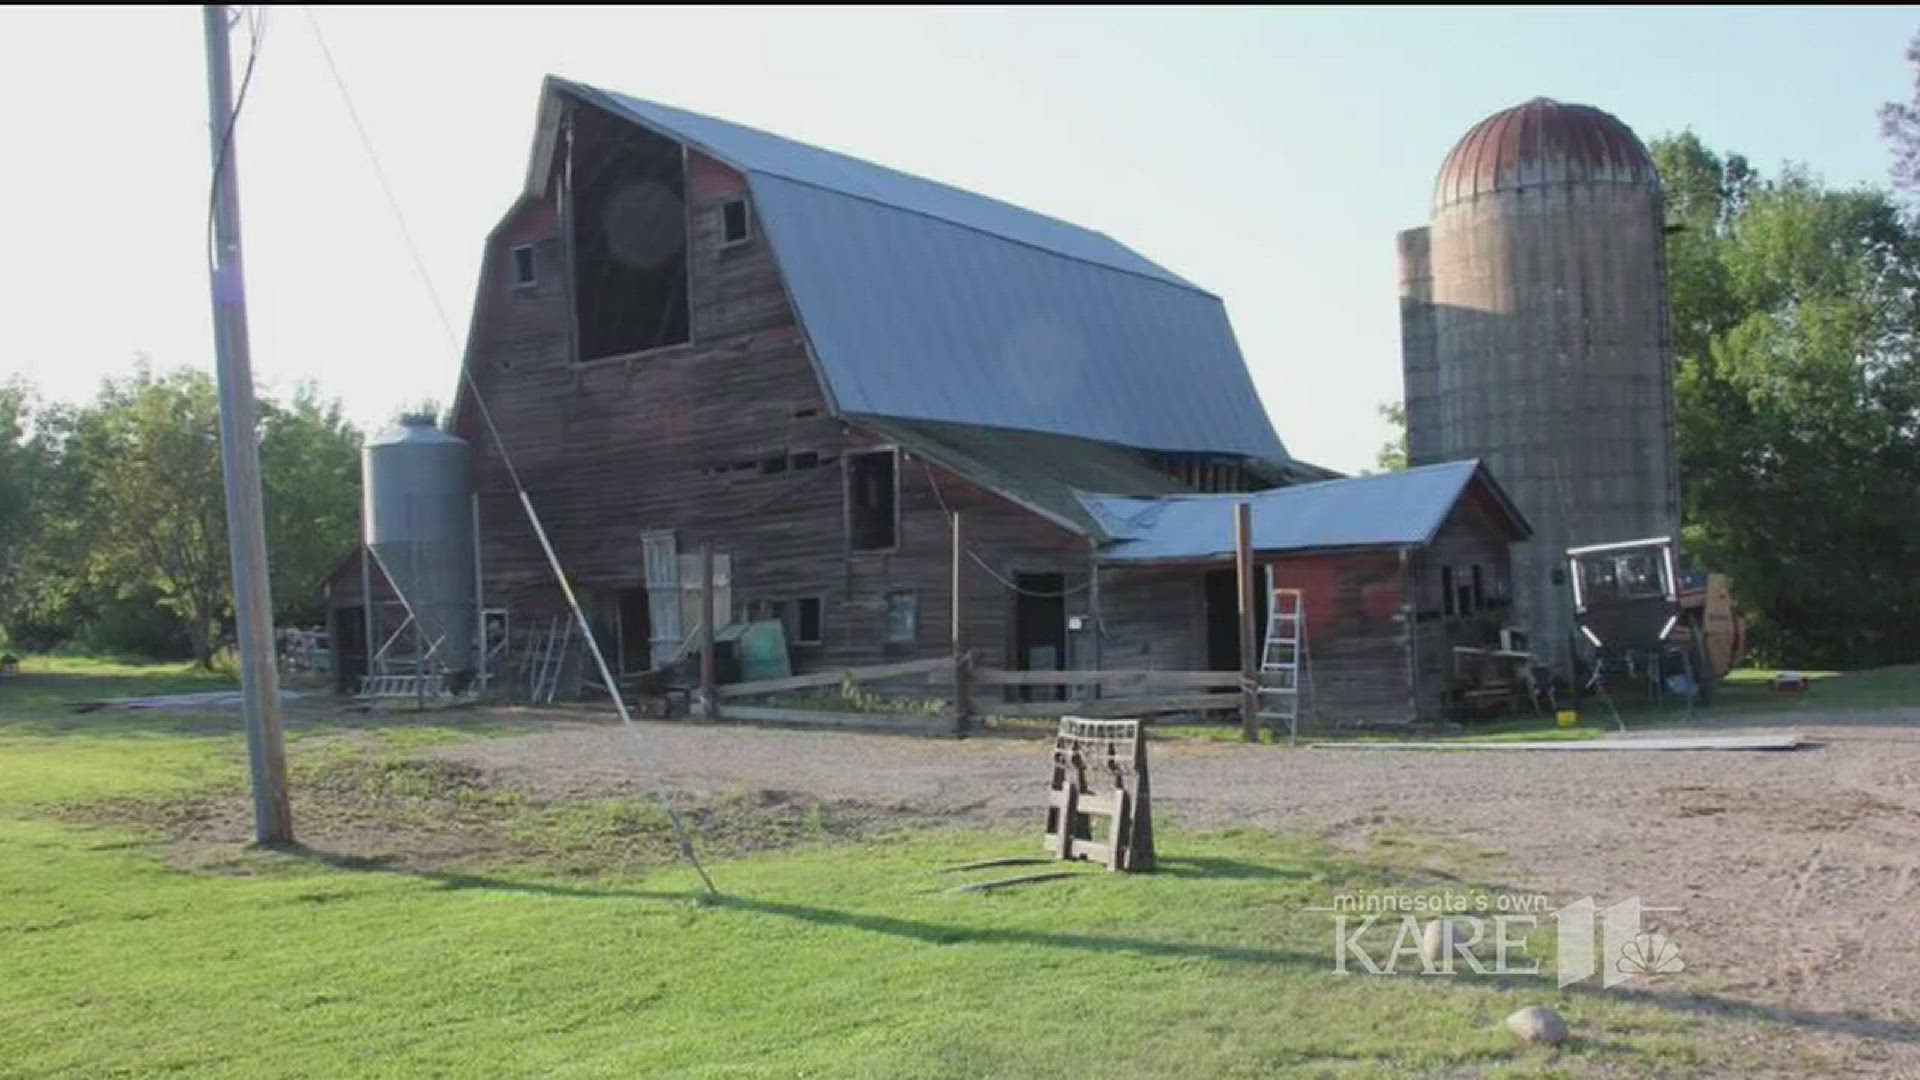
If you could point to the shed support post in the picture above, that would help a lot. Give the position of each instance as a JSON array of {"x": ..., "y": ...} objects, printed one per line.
[
  {"x": 479, "y": 608},
  {"x": 710, "y": 700},
  {"x": 1409, "y": 613},
  {"x": 366, "y": 603},
  {"x": 1249, "y": 669},
  {"x": 1093, "y": 607},
  {"x": 962, "y": 691}
]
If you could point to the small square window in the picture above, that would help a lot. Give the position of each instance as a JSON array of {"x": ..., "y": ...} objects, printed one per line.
[
  {"x": 903, "y": 618},
  {"x": 733, "y": 222},
  {"x": 523, "y": 271}
]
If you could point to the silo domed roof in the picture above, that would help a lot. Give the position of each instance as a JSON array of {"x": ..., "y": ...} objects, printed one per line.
[{"x": 1543, "y": 142}]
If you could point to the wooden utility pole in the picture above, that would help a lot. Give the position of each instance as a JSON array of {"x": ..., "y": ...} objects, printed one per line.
[
  {"x": 240, "y": 460},
  {"x": 962, "y": 692},
  {"x": 1249, "y": 667},
  {"x": 707, "y": 680}
]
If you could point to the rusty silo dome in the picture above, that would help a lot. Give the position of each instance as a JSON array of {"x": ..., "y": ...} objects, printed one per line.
[{"x": 1543, "y": 142}]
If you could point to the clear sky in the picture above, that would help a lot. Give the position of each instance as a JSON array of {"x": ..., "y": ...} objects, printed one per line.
[{"x": 1269, "y": 155}]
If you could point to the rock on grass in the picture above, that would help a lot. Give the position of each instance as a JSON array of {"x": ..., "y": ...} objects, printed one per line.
[{"x": 1538, "y": 1024}]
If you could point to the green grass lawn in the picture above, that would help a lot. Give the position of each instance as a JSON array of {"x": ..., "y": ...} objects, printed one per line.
[{"x": 824, "y": 957}]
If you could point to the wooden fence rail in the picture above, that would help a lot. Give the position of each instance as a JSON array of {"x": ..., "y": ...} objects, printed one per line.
[
  {"x": 1116, "y": 679},
  {"x": 1192, "y": 691},
  {"x": 1114, "y": 707},
  {"x": 937, "y": 670}
]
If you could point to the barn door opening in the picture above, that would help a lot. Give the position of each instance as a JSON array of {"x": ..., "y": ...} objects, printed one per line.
[
  {"x": 636, "y": 632},
  {"x": 1040, "y": 630},
  {"x": 349, "y": 646},
  {"x": 1223, "y": 617}
]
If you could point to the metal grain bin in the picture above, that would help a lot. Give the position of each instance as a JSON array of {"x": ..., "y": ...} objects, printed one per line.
[{"x": 418, "y": 517}]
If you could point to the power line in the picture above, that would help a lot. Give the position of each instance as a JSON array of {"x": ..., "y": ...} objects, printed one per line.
[
  {"x": 256, "y": 35},
  {"x": 682, "y": 837}
]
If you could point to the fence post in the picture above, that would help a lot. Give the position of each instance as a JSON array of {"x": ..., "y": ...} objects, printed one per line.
[
  {"x": 962, "y": 692},
  {"x": 709, "y": 698},
  {"x": 1249, "y": 668}
]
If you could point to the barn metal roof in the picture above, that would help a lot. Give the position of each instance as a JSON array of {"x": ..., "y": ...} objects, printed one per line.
[
  {"x": 1401, "y": 509},
  {"x": 925, "y": 302}
]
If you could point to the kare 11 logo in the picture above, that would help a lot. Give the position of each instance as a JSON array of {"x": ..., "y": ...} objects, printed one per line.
[{"x": 1448, "y": 933}]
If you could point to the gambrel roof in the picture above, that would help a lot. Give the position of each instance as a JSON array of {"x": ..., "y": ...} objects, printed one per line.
[{"x": 924, "y": 302}]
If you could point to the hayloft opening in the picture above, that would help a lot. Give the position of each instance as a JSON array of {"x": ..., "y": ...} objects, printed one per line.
[
  {"x": 626, "y": 202},
  {"x": 523, "y": 266},
  {"x": 733, "y": 222},
  {"x": 872, "y": 501}
]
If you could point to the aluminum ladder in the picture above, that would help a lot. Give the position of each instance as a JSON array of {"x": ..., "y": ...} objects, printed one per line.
[
  {"x": 1283, "y": 659},
  {"x": 549, "y": 658}
]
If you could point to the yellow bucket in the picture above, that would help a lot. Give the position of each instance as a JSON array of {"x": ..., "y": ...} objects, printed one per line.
[{"x": 1569, "y": 718}]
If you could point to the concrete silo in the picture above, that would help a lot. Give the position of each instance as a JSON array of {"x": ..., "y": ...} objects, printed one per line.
[
  {"x": 418, "y": 519},
  {"x": 1536, "y": 338}
]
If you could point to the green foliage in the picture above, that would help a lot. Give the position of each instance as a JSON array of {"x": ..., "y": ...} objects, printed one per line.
[
  {"x": 428, "y": 412},
  {"x": 119, "y": 540},
  {"x": 1798, "y": 388},
  {"x": 310, "y": 473},
  {"x": 1392, "y": 456}
]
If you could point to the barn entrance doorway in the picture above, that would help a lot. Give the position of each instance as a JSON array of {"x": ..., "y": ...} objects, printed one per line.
[
  {"x": 1040, "y": 630},
  {"x": 349, "y": 636},
  {"x": 636, "y": 631},
  {"x": 1223, "y": 617}
]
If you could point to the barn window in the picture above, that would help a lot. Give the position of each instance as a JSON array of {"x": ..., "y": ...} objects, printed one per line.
[
  {"x": 1479, "y": 589},
  {"x": 523, "y": 270},
  {"x": 1448, "y": 602},
  {"x": 733, "y": 222},
  {"x": 799, "y": 619},
  {"x": 626, "y": 207},
  {"x": 903, "y": 618},
  {"x": 873, "y": 504}
]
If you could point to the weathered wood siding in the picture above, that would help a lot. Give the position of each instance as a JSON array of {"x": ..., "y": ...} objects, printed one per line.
[
  {"x": 1472, "y": 535},
  {"x": 1155, "y": 619},
  {"x": 1358, "y": 654},
  {"x": 613, "y": 448}
]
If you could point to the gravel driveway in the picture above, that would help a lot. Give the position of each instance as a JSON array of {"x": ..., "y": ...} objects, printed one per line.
[{"x": 1796, "y": 874}]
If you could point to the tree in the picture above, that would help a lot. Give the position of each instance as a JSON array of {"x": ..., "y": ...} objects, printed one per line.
[
  {"x": 310, "y": 477},
  {"x": 1392, "y": 455},
  {"x": 144, "y": 458},
  {"x": 1900, "y": 124},
  {"x": 20, "y": 468},
  {"x": 1799, "y": 401}
]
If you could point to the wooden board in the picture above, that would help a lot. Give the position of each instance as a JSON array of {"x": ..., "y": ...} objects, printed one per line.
[{"x": 1790, "y": 741}]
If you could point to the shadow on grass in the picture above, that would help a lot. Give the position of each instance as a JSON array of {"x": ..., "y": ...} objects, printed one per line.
[
  {"x": 1228, "y": 870},
  {"x": 1699, "y": 1006},
  {"x": 50, "y": 706}
]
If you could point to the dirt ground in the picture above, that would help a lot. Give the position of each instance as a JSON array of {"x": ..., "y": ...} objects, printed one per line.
[{"x": 1795, "y": 875}]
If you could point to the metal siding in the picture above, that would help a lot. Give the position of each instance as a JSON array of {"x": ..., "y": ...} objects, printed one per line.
[
  {"x": 917, "y": 318},
  {"x": 1389, "y": 510}
]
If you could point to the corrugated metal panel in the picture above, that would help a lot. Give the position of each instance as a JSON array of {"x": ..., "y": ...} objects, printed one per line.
[
  {"x": 1044, "y": 472},
  {"x": 916, "y": 318},
  {"x": 925, "y": 302},
  {"x": 1389, "y": 510}
]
